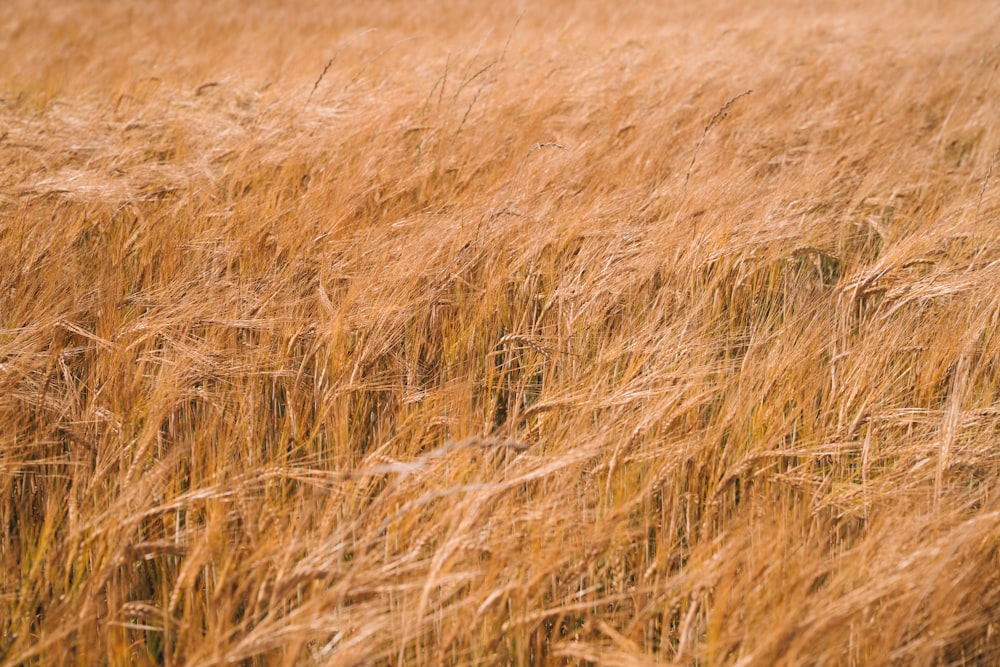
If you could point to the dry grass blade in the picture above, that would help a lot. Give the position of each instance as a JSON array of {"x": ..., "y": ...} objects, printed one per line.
[{"x": 457, "y": 354}]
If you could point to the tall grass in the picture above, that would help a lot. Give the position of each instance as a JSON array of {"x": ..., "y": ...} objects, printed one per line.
[{"x": 446, "y": 335}]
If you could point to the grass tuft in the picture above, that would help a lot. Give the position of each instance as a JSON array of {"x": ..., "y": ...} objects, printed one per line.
[{"x": 482, "y": 347}]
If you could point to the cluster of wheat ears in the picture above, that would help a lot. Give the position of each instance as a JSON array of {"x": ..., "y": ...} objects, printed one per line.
[{"x": 423, "y": 333}]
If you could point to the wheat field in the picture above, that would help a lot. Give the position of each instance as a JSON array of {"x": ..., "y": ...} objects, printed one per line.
[{"x": 460, "y": 333}]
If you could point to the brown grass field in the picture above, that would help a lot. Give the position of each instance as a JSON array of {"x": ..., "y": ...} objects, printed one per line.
[{"x": 467, "y": 333}]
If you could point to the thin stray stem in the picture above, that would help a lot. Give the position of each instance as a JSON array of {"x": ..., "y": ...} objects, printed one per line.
[
  {"x": 979, "y": 205},
  {"x": 719, "y": 115},
  {"x": 986, "y": 182},
  {"x": 332, "y": 60},
  {"x": 316, "y": 85}
]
